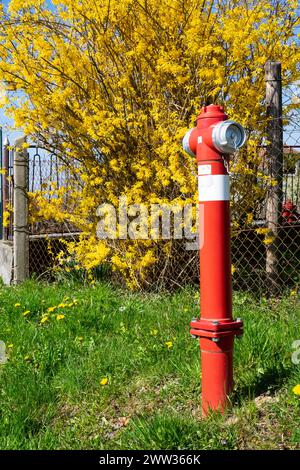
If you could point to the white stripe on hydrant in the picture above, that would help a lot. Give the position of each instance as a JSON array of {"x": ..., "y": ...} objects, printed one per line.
[{"x": 213, "y": 188}]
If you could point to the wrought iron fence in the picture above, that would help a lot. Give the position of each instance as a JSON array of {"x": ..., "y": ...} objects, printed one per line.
[{"x": 47, "y": 173}]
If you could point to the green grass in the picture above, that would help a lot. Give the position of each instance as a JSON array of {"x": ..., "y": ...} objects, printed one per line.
[{"x": 50, "y": 391}]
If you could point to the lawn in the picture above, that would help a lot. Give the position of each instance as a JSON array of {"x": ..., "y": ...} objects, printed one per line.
[{"x": 96, "y": 367}]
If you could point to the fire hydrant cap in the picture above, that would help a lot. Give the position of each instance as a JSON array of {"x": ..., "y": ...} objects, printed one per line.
[
  {"x": 212, "y": 111},
  {"x": 228, "y": 136},
  {"x": 186, "y": 143}
]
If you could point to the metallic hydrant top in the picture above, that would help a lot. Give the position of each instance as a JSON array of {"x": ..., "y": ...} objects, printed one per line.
[{"x": 216, "y": 131}]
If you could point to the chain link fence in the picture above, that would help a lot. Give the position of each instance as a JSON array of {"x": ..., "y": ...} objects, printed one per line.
[
  {"x": 265, "y": 211},
  {"x": 266, "y": 244},
  {"x": 265, "y": 206}
]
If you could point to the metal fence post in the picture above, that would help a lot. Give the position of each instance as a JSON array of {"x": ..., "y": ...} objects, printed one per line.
[
  {"x": 275, "y": 170},
  {"x": 20, "y": 227}
]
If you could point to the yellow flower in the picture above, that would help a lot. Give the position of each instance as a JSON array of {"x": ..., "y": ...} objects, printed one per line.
[
  {"x": 153, "y": 332},
  {"x": 62, "y": 305},
  {"x": 262, "y": 231},
  {"x": 296, "y": 389},
  {"x": 233, "y": 269},
  {"x": 17, "y": 305},
  {"x": 249, "y": 218},
  {"x": 51, "y": 309},
  {"x": 27, "y": 312},
  {"x": 6, "y": 218},
  {"x": 104, "y": 381},
  {"x": 293, "y": 293},
  {"x": 10, "y": 346},
  {"x": 169, "y": 344},
  {"x": 44, "y": 319},
  {"x": 150, "y": 171},
  {"x": 59, "y": 317},
  {"x": 269, "y": 240}
]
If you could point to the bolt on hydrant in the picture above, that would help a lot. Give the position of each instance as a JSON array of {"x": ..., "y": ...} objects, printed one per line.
[{"x": 214, "y": 137}]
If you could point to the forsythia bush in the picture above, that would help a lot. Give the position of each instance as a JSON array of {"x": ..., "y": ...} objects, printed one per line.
[{"x": 112, "y": 86}]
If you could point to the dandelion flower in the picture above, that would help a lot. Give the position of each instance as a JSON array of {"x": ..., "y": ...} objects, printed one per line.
[
  {"x": 169, "y": 344},
  {"x": 51, "y": 309},
  {"x": 296, "y": 389},
  {"x": 44, "y": 319},
  {"x": 59, "y": 317},
  {"x": 17, "y": 305},
  {"x": 104, "y": 381},
  {"x": 153, "y": 332}
]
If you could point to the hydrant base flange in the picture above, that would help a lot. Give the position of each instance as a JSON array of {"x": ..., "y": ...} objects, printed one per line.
[{"x": 216, "y": 329}]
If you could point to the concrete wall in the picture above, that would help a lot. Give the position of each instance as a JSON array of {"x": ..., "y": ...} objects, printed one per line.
[{"x": 6, "y": 262}]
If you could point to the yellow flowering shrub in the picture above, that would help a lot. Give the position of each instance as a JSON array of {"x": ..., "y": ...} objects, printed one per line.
[
  {"x": 7, "y": 216},
  {"x": 112, "y": 86}
]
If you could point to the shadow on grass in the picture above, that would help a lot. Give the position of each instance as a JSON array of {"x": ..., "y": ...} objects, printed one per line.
[{"x": 270, "y": 381}]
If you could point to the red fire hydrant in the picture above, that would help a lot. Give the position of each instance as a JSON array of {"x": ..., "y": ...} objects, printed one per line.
[{"x": 212, "y": 138}]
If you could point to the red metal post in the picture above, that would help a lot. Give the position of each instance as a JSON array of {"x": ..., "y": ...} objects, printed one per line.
[{"x": 213, "y": 137}]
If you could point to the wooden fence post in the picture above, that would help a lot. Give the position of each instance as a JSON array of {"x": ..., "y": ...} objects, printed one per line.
[
  {"x": 275, "y": 171},
  {"x": 20, "y": 226}
]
